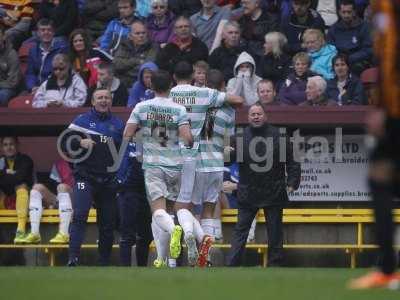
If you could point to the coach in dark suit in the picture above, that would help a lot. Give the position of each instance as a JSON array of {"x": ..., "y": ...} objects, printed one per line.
[{"x": 263, "y": 164}]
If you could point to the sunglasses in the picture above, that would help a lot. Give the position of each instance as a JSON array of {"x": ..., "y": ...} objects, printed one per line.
[
  {"x": 159, "y": 6},
  {"x": 58, "y": 69}
]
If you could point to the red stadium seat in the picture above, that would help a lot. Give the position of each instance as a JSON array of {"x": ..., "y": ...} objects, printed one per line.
[
  {"x": 370, "y": 76},
  {"x": 24, "y": 101}
]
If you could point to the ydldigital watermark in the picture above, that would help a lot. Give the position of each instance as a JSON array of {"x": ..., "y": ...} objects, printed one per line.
[{"x": 261, "y": 152}]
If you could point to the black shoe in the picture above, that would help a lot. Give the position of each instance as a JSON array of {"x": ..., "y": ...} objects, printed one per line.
[{"x": 73, "y": 262}]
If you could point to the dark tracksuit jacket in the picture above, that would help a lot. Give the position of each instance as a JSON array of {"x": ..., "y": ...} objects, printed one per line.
[
  {"x": 93, "y": 181},
  {"x": 134, "y": 210}
]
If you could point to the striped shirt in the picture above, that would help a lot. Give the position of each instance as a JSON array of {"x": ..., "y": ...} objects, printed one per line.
[
  {"x": 17, "y": 9},
  {"x": 197, "y": 101},
  {"x": 160, "y": 119},
  {"x": 219, "y": 127}
]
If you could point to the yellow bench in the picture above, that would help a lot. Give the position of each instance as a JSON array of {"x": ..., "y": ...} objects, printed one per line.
[
  {"x": 356, "y": 217},
  {"x": 48, "y": 216}
]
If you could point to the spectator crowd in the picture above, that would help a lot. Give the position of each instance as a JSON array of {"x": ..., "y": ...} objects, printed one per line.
[
  {"x": 59, "y": 51},
  {"x": 103, "y": 53}
]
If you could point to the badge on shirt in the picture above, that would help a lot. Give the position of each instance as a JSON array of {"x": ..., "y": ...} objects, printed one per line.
[{"x": 354, "y": 40}]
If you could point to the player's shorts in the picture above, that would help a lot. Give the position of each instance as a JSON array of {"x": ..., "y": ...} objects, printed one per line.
[
  {"x": 162, "y": 183},
  {"x": 51, "y": 185},
  {"x": 206, "y": 188},
  {"x": 187, "y": 180}
]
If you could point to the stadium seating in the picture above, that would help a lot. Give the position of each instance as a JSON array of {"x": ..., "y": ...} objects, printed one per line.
[
  {"x": 369, "y": 78},
  {"x": 356, "y": 217},
  {"x": 23, "y": 101}
]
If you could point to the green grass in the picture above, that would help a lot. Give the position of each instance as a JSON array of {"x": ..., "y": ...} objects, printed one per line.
[{"x": 182, "y": 283}]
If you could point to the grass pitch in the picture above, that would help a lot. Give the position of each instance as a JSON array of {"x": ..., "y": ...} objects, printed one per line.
[{"x": 112, "y": 283}]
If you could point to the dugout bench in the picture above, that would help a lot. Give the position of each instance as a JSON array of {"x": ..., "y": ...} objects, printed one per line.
[
  {"x": 358, "y": 218},
  {"x": 39, "y": 128}
]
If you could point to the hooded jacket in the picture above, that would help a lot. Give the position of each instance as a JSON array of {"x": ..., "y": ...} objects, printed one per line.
[
  {"x": 161, "y": 33},
  {"x": 321, "y": 61},
  {"x": 224, "y": 58},
  {"x": 354, "y": 40},
  {"x": 139, "y": 92},
  {"x": 10, "y": 74},
  {"x": 39, "y": 68},
  {"x": 242, "y": 85}
]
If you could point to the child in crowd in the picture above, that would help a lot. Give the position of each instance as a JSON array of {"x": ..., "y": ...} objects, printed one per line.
[{"x": 200, "y": 70}]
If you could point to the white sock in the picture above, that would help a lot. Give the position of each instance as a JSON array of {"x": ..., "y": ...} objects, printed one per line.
[
  {"x": 185, "y": 219},
  {"x": 198, "y": 231},
  {"x": 164, "y": 220},
  {"x": 154, "y": 230},
  {"x": 208, "y": 227},
  {"x": 252, "y": 230},
  {"x": 161, "y": 239},
  {"x": 35, "y": 210},
  {"x": 65, "y": 211},
  {"x": 218, "y": 228}
]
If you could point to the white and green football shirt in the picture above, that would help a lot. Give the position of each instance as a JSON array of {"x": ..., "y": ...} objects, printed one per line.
[
  {"x": 159, "y": 120},
  {"x": 197, "y": 101},
  {"x": 217, "y": 131}
]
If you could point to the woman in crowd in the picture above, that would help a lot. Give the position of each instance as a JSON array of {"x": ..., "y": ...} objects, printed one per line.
[
  {"x": 321, "y": 53},
  {"x": 293, "y": 90},
  {"x": 84, "y": 59},
  {"x": 160, "y": 22},
  {"x": 63, "y": 89},
  {"x": 345, "y": 88},
  {"x": 274, "y": 65}
]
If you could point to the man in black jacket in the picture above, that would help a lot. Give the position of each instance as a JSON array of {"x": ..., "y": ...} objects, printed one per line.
[
  {"x": 185, "y": 47},
  {"x": 301, "y": 19},
  {"x": 266, "y": 155},
  {"x": 16, "y": 177},
  {"x": 256, "y": 23},
  {"x": 225, "y": 56}
]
